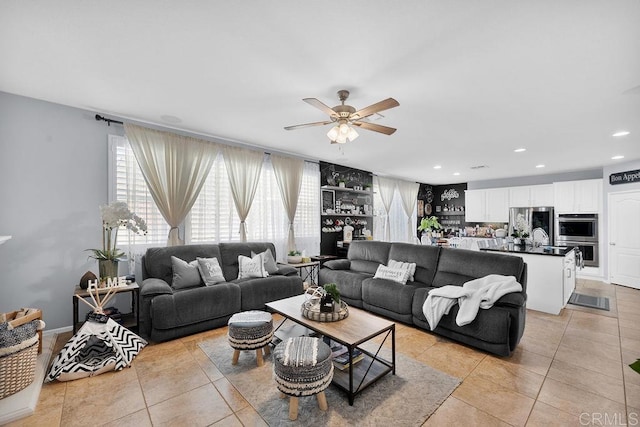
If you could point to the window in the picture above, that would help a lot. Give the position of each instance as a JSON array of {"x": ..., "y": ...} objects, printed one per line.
[
  {"x": 127, "y": 185},
  {"x": 213, "y": 217},
  {"x": 397, "y": 218}
]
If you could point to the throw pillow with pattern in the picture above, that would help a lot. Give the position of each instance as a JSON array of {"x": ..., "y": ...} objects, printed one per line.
[
  {"x": 210, "y": 271},
  {"x": 410, "y": 266},
  {"x": 251, "y": 267},
  {"x": 399, "y": 275},
  {"x": 269, "y": 261}
]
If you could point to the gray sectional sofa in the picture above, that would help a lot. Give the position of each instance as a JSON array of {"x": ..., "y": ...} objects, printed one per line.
[
  {"x": 497, "y": 330},
  {"x": 167, "y": 313}
]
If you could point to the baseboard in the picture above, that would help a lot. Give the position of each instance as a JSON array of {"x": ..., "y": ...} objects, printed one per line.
[
  {"x": 23, "y": 403},
  {"x": 57, "y": 331}
]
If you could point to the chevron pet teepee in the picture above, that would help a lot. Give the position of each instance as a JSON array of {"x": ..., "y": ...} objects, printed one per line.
[{"x": 101, "y": 345}]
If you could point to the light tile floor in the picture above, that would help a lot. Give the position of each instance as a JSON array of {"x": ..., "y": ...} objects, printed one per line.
[{"x": 570, "y": 369}]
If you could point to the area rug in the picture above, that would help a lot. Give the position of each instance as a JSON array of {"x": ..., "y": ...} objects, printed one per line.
[
  {"x": 405, "y": 399},
  {"x": 601, "y": 303}
]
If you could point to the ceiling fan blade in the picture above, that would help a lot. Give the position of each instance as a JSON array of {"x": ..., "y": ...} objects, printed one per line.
[
  {"x": 374, "y": 127},
  {"x": 374, "y": 108},
  {"x": 321, "y": 106},
  {"x": 306, "y": 125}
]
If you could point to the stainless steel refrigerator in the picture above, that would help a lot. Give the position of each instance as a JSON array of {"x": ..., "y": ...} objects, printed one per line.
[{"x": 536, "y": 217}]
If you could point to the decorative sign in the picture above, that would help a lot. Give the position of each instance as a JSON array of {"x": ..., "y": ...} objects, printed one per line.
[
  {"x": 111, "y": 282},
  {"x": 624, "y": 177},
  {"x": 449, "y": 194}
]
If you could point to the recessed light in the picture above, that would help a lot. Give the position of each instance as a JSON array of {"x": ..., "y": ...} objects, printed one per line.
[
  {"x": 519, "y": 150},
  {"x": 621, "y": 133},
  {"x": 617, "y": 157},
  {"x": 539, "y": 166},
  {"x": 437, "y": 167},
  {"x": 456, "y": 173}
]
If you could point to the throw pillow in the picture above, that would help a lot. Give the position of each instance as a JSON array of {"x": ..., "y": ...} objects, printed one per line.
[
  {"x": 251, "y": 267},
  {"x": 185, "y": 274},
  {"x": 210, "y": 271},
  {"x": 269, "y": 262},
  {"x": 411, "y": 266},
  {"x": 399, "y": 275}
]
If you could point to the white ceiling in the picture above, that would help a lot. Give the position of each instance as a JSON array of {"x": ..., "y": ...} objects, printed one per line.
[{"x": 475, "y": 79}]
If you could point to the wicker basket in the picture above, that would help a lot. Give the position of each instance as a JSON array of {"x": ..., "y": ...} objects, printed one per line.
[
  {"x": 19, "y": 340},
  {"x": 17, "y": 370}
]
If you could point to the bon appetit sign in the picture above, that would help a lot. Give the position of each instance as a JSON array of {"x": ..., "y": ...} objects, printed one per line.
[{"x": 624, "y": 177}]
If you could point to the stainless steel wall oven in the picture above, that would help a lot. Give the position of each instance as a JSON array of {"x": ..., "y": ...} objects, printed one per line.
[{"x": 579, "y": 230}]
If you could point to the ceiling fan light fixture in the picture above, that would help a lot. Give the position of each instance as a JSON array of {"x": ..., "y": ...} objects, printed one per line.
[
  {"x": 341, "y": 139},
  {"x": 333, "y": 133},
  {"x": 344, "y": 128},
  {"x": 352, "y": 135}
]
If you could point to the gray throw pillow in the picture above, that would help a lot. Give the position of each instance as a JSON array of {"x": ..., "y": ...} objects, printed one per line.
[
  {"x": 269, "y": 262},
  {"x": 185, "y": 274},
  {"x": 210, "y": 271}
]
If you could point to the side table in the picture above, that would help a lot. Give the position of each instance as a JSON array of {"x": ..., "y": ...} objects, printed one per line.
[
  {"x": 129, "y": 320},
  {"x": 308, "y": 271}
]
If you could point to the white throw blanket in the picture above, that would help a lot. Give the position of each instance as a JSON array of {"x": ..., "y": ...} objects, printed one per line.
[{"x": 473, "y": 295}]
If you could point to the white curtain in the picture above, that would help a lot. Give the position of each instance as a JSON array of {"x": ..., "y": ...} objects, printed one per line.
[
  {"x": 289, "y": 173},
  {"x": 386, "y": 187},
  {"x": 409, "y": 196},
  {"x": 243, "y": 167},
  {"x": 174, "y": 168}
]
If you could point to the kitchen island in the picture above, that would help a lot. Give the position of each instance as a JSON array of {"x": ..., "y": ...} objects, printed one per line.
[{"x": 551, "y": 274}]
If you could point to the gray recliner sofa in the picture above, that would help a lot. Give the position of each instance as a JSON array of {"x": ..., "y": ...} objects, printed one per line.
[
  {"x": 167, "y": 313},
  {"x": 497, "y": 330}
]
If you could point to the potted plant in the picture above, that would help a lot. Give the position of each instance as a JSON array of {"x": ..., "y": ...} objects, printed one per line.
[
  {"x": 115, "y": 215},
  {"x": 427, "y": 225},
  {"x": 294, "y": 257},
  {"x": 331, "y": 298},
  {"x": 521, "y": 230},
  {"x": 342, "y": 183}
]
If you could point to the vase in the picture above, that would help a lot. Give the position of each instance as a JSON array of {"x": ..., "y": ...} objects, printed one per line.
[{"x": 107, "y": 268}]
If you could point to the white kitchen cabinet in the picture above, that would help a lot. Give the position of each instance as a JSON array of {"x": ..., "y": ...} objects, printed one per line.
[
  {"x": 578, "y": 196},
  {"x": 531, "y": 195},
  {"x": 542, "y": 195},
  {"x": 491, "y": 205}
]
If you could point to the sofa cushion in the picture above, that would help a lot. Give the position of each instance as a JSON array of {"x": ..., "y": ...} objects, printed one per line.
[
  {"x": 367, "y": 255},
  {"x": 185, "y": 274},
  {"x": 457, "y": 266},
  {"x": 229, "y": 252},
  {"x": 255, "y": 293},
  {"x": 349, "y": 284},
  {"x": 388, "y": 294},
  {"x": 210, "y": 271},
  {"x": 425, "y": 258},
  {"x": 157, "y": 261},
  {"x": 185, "y": 306}
]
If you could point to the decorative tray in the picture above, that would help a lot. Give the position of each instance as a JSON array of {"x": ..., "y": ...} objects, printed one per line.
[{"x": 311, "y": 310}]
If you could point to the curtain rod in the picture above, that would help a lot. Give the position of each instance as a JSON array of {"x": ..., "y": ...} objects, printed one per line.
[{"x": 109, "y": 121}]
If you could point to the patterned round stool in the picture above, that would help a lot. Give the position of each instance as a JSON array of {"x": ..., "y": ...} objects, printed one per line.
[
  {"x": 302, "y": 366},
  {"x": 250, "y": 330}
]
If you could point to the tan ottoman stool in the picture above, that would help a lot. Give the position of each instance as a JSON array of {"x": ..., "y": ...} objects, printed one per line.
[
  {"x": 302, "y": 366},
  {"x": 250, "y": 330}
]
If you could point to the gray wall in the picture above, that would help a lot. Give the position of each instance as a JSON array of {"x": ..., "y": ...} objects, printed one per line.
[
  {"x": 53, "y": 178},
  {"x": 536, "y": 179}
]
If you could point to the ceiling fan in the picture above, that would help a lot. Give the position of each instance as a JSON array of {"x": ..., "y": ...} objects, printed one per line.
[{"x": 344, "y": 116}]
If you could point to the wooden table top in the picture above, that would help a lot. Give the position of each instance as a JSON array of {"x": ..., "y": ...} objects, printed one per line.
[{"x": 358, "y": 327}]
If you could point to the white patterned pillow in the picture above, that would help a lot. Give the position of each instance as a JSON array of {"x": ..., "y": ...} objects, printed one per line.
[
  {"x": 251, "y": 267},
  {"x": 210, "y": 271},
  {"x": 185, "y": 274},
  {"x": 411, "y": 266},
  {"x": 399, "y": 275}
]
